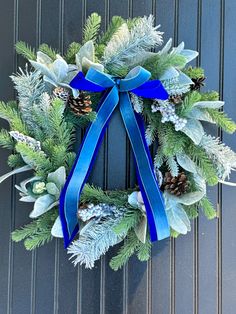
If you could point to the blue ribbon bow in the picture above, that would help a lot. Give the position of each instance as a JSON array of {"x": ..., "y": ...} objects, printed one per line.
[{"x": 117, "y": 93}]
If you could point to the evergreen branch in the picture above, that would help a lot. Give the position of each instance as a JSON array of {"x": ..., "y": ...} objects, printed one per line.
[
  {"x": 208, "y": 208},
  {"x": 9, "y": 113},
  {"x": 91, "y": 27},
  {"x": 71, "y": 52},
  {"x": 194, "y": 72},
  {"x": 52, "y": 53},
  {"x": 36, "y": 159},
  {"x": 25, "y": 50},
  {"x": 188, "y": 103},
  {"x": 210, "y": 96},
  {"x": 192, "y": 211},
  {"x": 114, "y": 25},
  {"x": 129, "y": 247},
  {"x": 36, "y": 233},
  {"x": 15, "y": 161},
  {"x": 158, "y": 64},
  {"x": 222, "y": 120},
  {"x": 129, "y": 221},
  {"x": 144, "y": 250},
  {"x": 6, "y": 140},
  {"x": 200, "y": 157}
]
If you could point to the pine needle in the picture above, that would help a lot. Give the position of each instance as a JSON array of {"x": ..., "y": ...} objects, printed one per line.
[
  {"x": 222, "y": 120},
  {"x": 25, "y": 50},
  {"x": 71, "y": 52},
  {"x": 91, "y": 27},
  {"x": 48, "y": 51},
  {"x": 208, "y": 208}
]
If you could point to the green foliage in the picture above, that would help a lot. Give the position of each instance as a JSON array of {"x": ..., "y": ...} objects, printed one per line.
[
  {"x": 222, "y": 120},
  {"x": 92, "y": 194},
  {"x": 174, "y": 233},
  {"x": 129, "y": 247},
  {"x": 36, "y": 233},
  {"x": 172, "y": 142},
  {"x": 36, "y": 159},
  {"x": 25, "y": 50},
  {"x": 210, "y": 96},
  {"x": 71, "y": 52},
  {"x": 11, "y": 114},
  {"x": 48, "y": 51},
  {"x": 192, "y": 211},
  {"x": 158, "y": 64},
  {"x": 194, "y": 72},
  {"x": 114, "y": 25},
  {"x": 15, "y": 160},
  {"x": 200, "y": 157},
  {"x": 91, "y": 27},
  {"x": 129, "y": 221},
  {"x": 188, "y": 103},
  {"x": 6, "y": 140},
  {"x": 208, "y": 209}
]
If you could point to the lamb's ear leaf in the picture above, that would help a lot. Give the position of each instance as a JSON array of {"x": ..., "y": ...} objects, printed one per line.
[
  {"x": 194, "y": 130},
  {"x": 186, "y": 163},
  {"x": 209, "y": 104},
  {"x": 42, "y": 205},
  {"x": 176, "y": 215},
  {"x": 15, "y": 171},
  {"x": 57, "y": 229}
]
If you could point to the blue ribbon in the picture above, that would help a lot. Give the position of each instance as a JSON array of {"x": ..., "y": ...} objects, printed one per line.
[{"x": 116, "y": 94}]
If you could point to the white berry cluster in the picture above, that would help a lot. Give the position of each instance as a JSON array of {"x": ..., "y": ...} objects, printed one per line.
[
  {"x": 98, "y": 211},
  {"x": 167, "y": 111}
]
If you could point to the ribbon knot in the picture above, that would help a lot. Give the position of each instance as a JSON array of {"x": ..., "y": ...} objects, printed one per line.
[{"x": 116, "y": 94}]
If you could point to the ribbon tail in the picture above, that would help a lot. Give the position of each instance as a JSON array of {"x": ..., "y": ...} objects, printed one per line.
[
  {"x": 70, "y": 195},
  {"x": 156, "y": 215}
]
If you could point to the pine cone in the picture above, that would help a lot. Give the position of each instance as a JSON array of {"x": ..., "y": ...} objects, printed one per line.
[
  {"x": 198, "y": 83},
  {"x": 175, "y": 99},
  {"x": 80, "y": 105},
  {"x": 61, "y": 93},
  {"x": 176, "y": 185}
]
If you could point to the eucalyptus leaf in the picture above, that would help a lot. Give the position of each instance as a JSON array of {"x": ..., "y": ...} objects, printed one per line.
[
  {"x": 166, "y": 48},
  {"x": 60, "y": 69},
  {"x": 186, "y": 163},
  {"x": 43, "y": 58},
  {"x": 42, "y": 205},
  {"x": 184, "y": 79},
  {"x": 194, "y": 130},
  {"x": 44, "y": 69},
  {"x": 179, "y": 48},
  {"x": 86, "y": 64}
]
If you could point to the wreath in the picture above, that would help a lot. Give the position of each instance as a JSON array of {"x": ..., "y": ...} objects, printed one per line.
[{"x": 124, "y": 69}]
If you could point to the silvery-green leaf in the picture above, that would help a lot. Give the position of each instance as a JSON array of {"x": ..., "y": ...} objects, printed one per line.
[
  {"x": 194, "y": 130},
  {"x": 186, "y": 163},
  {"x": 42, "y": 205},
  {"x": 191, "y": 198},
  {"x": 52, "y": 189},
  {"x": 60, "y": 69},
  {"x": 209, "y": 104},
  {"x": 133, "y": 199},
  {"x": 86, "y": 64},
  {"x": 184, "y": 79},
  {"x": 179, "y": 48},
  {"x": 57, "y": 229},
  {"x": 199, "y": 114},
  {"x": 58, "y": 177},
  {"x": 169, "y": 74},
  {"x": 166, "y": 48},
  {"x": 86, "y": 51},
  {"x": 177, "y": 217},
  {"x": 44, "y": 70},
  {"x": 28, "y": 199},
  {"x": 15, "y": 171},
  {"x": 50, "y": 81},
  {"x": 43, "y": 58},
  {"x": 23, "y": 184},
  {"x": 141, "y": 229},
  {"x": 189, "y": 55},
  {"x": 200, "y": 182}
]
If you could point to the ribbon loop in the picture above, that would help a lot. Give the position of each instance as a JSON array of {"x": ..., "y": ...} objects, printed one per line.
[{"x": 116, "y": 95}]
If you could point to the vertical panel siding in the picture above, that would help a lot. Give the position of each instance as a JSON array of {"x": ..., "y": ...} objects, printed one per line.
[{"x": 193, "y": 274}]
